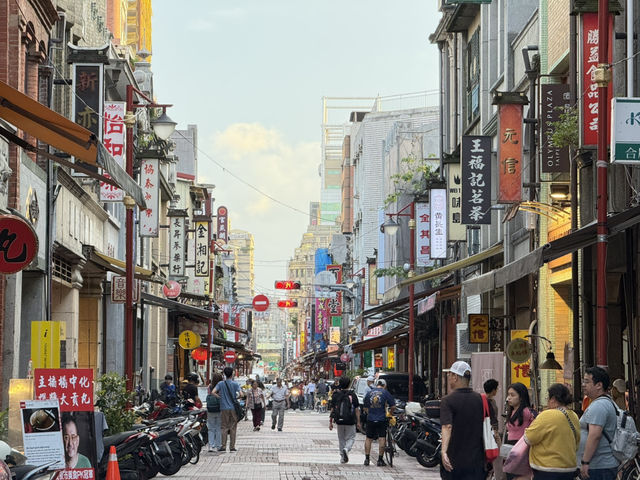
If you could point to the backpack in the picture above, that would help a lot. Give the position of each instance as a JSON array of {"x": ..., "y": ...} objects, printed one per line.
[
  {"x": 346, "y": 412},
  {"x": 213, "y": 403},
  {"x": 624, "y": 443}
]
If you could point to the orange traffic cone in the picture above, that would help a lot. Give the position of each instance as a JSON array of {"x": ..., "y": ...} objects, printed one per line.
[{"x": 113, "y": 470}]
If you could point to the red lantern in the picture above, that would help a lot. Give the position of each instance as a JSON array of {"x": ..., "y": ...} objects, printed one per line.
[{"x": 200, "y": 354}]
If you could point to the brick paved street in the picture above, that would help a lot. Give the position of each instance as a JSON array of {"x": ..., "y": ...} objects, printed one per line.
[{"x": 306, "y": 449}]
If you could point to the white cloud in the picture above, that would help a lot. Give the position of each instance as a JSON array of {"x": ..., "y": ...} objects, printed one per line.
[{"x": 286, "y": 171}]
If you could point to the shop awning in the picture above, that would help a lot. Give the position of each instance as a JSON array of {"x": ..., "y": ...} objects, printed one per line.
[
  {"x": 233, "y": 328},
  {"x": 118, "y": 266},
  {"x": 183, "y": 308},
  {"x": 227, "y": 343},
  {"x": 61, "y": 133},
  {"x": 465, "y": 262},
  {"x": 389, "y": 338}
]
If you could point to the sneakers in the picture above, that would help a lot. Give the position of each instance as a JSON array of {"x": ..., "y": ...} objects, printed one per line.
[
  {"x": 344, "y": 455},
  {"x": 222, "y": 449},
  {"x": 381, "y": 462},
  {"x": 366, "y": 461},
  {"x": 279, "y": 429},
  {"x": 273, "y": 426},
  {"x": 233, "y": 450}
]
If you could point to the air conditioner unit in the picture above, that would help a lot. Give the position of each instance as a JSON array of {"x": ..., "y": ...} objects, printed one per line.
[{"x": 463, "y": 348}]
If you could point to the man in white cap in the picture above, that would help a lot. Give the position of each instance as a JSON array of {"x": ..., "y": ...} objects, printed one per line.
[{"x": 461, "y": 416}]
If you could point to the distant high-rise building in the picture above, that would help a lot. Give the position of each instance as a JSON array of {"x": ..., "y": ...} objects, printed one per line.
[
  {"x": 130, "y": 23},
  {"x": 241, "y": 242}
]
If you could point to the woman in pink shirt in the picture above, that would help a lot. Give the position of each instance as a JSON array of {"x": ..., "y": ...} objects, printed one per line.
[{"x": 519, "y": 415}]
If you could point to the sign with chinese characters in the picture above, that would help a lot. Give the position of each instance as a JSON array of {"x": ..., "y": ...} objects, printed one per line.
[
  {"x": 589, "y": 87},
  {"x": 554, "y": 100},
  {"x": 176, "y": 246},
  {"x": 427, "y": 303},
  {"x": 509, "y": 153},
  {"x": 423, "y": 235},
  {"x": 119, "y": 290},
  {"x": 438, "y": 223},
  {"x": 202, "y": 248},
  {"x": 457, "y": 231},
  {"x": 113, "y": 139},
  {"x": 45, "y": 344},
  {"x": 87, "y": 99},
  {"x": 476, "y": 180},
  {"x": 322, "y": 315},
  {"x": 172, "y": 289},
  {"x": 373, "y": 332},
  {"x": 150, "y": 183},
  {"x": 189, "y": 340},
  {"x": 42, "y": 432},
  {"x": 72, "y": 387},
  {"x": 335, "y": 304},
  {"x": 18, "y": 244},
  {"x": 496, "y": 334},
  {"x": 223, "y": 225},
  {"x": 520, "y": 371},
  {"x": 335, "y": 335},
  {"x": 478, "y": 328},
  {"x": 625, "y": 130}
]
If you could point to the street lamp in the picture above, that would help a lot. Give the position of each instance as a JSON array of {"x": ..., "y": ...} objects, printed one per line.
[
  {"x": 163, "y": 128},
  {"x": 391, "y": 228}
]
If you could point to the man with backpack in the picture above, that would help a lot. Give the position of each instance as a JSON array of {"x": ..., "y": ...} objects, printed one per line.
[
  {"x": 345, "y": 412},
  {"x": 376, "y": 403},
  {"x": 598, "y": 426}
]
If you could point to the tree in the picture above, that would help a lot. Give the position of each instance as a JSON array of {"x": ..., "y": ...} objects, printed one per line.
[{"x": 113, "y": 400}]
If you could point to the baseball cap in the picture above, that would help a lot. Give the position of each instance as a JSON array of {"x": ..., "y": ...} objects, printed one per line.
[
  {"x": 460, "y": 368},
  {"x": 381, "y": 383},
  {"x": 620, "y": 385},
  {"x": 370, "y": 378}
]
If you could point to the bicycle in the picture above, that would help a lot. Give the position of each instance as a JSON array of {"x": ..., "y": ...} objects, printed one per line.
[
  {"x": 321, "y": 405},
  {"x": 390, "y": 446},
  {"x": 631, "y": 469}
]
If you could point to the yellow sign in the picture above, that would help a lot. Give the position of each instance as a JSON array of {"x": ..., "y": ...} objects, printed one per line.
[
  {"x": 478, "y": 328},
  {"x": 335, "y": 334},
  {"x": 189, "y": 340},
  {"x": 520, "y": 371},
  {"x": 45, "y": 344},
  {"x": 391, "y": 358}
]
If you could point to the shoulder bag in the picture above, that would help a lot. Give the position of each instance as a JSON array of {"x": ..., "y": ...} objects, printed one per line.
[
  {"x": 236, "y": 405},
  {"x": 491, "y": 450}
]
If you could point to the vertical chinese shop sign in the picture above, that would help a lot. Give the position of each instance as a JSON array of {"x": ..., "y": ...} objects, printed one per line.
[
  {"x": 113, "y": 139},
  {"x": 87, "y": 101},
  {"x": 223, "y": 224},
  {"x": 423, "y": 235},
  {"x": 202, "y": 249},
  {"x": 149, "y": 181},
  {"x": 520, "y": 371},
  {"x": 438, "y": 223},
  {"x": 322, "y": 315},
  {"x": 476, "y": 180},
  {"x": 176, "y": 247},
  {"x": 509, "y": 153}
]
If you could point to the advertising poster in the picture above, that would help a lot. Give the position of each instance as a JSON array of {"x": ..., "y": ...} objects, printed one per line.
[{"x": 41, "y": 433}]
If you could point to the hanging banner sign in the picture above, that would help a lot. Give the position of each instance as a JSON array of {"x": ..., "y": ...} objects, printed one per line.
[
  {"x": 113, "y": 139},
  {"x": 520, "y": 351},
  {"x": 335, "y": 303},
  {"x": 223, "y": 224},
  {"x": 176, "y": 247},
  {"x": 86, "y": 103},
  {"x": 202, "y": 249},
  {"x": 476, "y": 180},
  {"x": 150, "y": 183},
  {"x": 335, "y": 335},
  {"x": 457, "y": 231},
  {"x": 322, "y": 315},
  {"x": 438, "y": 223},
  {"x": 554, "y": 100},
  {"x": 625, "y": 130},
  {"x": 423, "y": 235},
  {"x": 509, "y": 153},
  {"x": 478, "y": 328}
]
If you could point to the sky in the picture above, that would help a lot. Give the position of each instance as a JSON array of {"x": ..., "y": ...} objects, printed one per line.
[{"x": 251, "y": 75}]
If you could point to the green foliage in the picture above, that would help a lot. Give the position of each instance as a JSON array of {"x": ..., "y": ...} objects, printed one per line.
[
  {"x": 358, "y": 372},
  {"x": 113, "y": 400},
  {"x": 565, "y": 130},
  {"x": 4, "y": 423},
  {"x": 413, "y": 179},
  {"x": 391, "y": 272}
]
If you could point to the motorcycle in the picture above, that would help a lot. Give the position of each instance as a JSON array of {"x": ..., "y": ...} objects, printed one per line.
[
  {"x": 428, "y": 443},
  {"x": 294, "y": 398}
]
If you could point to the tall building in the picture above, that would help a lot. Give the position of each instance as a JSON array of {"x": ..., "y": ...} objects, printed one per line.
[
  {"x": 242, "y": 244},
  {"x": 130, "y": 23}
]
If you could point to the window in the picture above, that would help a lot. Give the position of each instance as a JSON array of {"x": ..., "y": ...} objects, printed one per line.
[{"x": 473, "y": 77}]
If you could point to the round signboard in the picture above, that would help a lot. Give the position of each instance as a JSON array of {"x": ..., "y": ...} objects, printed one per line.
[
  {"x": 18, "y": 243},
  {"x": 172, "y": 289},
  {"x": 260, "y": 303},
  {"x": 229, "y": 356},
  {"x": 189, "y": 340},
  {"x": 344, "y": 357},
  {"x": 519, "y": 350}
]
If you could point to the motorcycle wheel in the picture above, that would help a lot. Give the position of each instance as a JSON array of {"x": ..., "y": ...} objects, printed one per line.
[
  {"x": 176, "y": 463},
  {"x": 632, "y": 472},
  {"x": 426, "y": 460},
  {"x": 186, "y": 452},
  {"x": 195, "y": 459}
]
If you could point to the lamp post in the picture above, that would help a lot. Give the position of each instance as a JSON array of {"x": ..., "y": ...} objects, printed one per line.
[
  {"x": 391, "y": 227},
  {"x": 163, "y": 127}
]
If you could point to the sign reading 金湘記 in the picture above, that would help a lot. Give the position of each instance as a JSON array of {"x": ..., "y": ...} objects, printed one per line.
[
  {"x": 476, "y": 180},
  {"x": 625, "y": 130},
  {"x": 202, "y": 249}
]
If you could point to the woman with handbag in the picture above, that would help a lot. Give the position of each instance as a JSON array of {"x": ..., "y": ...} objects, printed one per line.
[
  {"x": 256, "y": 403},
  {"x": 554, "y": 437},
  {"x": 519, "y": 417}
]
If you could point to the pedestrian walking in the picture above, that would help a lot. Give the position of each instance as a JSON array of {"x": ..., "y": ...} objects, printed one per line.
[
  {"x": 311, "y": 388},
  {"x": 553, "y": 438},
  {"x": 305, "y": 394},
  {"x": 227, "y": 390},
  {"x": 256, "y": 403},
  {"x": 376, "y": 403},
  {"x": 321, "y": 390},
  {"x": 597, "y": 427},
  {"x": 461, "y": 416},
  {"x": 345, "y": 412},
  {"x": 213, "y": 418},
  {"x": 490, "y": 388},
  {"x": 519, "y": 415},
  {"x": 280, "y": 396}
]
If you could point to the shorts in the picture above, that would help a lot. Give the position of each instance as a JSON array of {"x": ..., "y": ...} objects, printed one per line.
[{"x": 376, "y": 430}]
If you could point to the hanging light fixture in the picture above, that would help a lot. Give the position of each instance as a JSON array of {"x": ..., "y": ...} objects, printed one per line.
[
  {"x": 550, "y": 363},
  {"x": 390, "y": 226}
]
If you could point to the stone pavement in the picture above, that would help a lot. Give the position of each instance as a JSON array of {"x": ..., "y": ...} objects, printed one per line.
[{"x": 305, "y": 449}]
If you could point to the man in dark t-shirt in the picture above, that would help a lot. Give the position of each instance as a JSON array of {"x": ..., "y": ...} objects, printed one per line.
[{"x": 461, "y": 416}]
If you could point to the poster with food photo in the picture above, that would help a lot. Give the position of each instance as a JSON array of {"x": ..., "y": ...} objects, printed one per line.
[{"x": 42, "y": 433}]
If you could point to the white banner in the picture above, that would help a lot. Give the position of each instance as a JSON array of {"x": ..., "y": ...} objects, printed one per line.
[
  {"x": 202, "y": 249},
  {"x": 439, "y": 223},
  {"x": 149, "y": 181},
  {"x": 423, "y": 235},
  {"x": 113, "y": 138},
  {"x": 176, "y": 247},
  {"x": 457, "y": 231}
]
